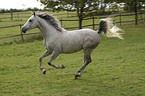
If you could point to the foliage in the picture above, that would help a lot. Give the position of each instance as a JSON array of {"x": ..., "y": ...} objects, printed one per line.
[
  {"x": 22, "y": 10},
  {"x": 130, "y": 4},
  {"x": 11, "y": 10},
  {"x": 84, "y": 8},
  {"x": 34, "y": 9}
]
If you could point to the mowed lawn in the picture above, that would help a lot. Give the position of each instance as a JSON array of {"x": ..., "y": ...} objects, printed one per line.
[{"x": 117, "y": 69}]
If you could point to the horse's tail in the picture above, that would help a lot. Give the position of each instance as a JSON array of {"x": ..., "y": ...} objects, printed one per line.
[{"x": 107, "y": 28}]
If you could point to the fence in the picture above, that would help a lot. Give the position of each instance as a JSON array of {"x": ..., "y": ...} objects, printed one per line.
[
  {"x": 93, "y": 24},
  {"x": 21, "y": 34},
  {"x": 120, "y": 21},
  {"x": 20, "y": 15}
]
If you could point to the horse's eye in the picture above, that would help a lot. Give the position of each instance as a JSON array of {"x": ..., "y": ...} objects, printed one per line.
[{"x": 30, "y": 20}]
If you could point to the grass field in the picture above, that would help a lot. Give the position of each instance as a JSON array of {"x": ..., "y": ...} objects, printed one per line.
[{"x": 117, "y": 69}]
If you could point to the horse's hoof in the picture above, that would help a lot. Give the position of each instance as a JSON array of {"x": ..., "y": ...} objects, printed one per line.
[
  {"x": 61, "y": 66},
  {"x": 77, "y": 76},
  {"x": 44, "y": 71}
]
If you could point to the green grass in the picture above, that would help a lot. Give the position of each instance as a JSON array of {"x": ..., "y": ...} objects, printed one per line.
[{"x": 117, "y": 69}]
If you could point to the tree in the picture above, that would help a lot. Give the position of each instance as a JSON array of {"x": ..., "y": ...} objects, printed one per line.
[
  {"x": 133, "y": 5},
  {"x": 83, "y": 8},
  {"x": 130, "y": 4}
]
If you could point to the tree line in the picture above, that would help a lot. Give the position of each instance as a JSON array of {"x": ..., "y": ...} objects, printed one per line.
[
  {"x": 85, "y": 8},
  {"x": 22, "y": 10}
]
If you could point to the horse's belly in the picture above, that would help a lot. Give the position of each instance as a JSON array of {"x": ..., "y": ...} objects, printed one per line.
[
  {"x": 72, "y": 47},
  {"x": 71, "y": 51}
]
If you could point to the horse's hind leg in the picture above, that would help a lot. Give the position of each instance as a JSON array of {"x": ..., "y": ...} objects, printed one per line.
[
  {"x": 46, "y": 53},
  {"x": 87, "y": 60},
  {"x": 53, "y": 56}
]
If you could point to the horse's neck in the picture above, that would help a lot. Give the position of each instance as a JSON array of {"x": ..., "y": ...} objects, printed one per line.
[{"x": 46, "y": 29}]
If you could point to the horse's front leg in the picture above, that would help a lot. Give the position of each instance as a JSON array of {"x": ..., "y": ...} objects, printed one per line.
[
  {"x": 53, "y": 56},
  {"x": 46, "y": 53}
]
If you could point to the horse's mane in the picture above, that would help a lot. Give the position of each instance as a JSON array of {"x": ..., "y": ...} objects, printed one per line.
[{"x": 51, "y": 20}]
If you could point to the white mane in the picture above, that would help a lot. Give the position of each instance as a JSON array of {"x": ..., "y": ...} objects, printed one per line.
[{"x": 51, "y": 20}]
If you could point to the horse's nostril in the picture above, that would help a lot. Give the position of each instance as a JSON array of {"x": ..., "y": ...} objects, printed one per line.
[{"x": 23, "y": 30}]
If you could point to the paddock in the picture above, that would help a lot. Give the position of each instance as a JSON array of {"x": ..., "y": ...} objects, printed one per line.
[{"x": 117, "y": 69}]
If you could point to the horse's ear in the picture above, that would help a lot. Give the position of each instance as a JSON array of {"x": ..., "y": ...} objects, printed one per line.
[{"x": 33, "y": 13}]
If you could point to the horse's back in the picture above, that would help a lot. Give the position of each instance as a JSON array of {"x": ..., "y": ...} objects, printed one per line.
[
  {"x": 76, "y": 40},
  {"x": 82, "y": 31}
]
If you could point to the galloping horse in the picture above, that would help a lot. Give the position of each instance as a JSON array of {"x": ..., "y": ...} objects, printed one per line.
[{"x": 57, "y": 40}]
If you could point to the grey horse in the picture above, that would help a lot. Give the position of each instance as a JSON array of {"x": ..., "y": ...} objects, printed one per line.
[{"x": 57, "y": 40}]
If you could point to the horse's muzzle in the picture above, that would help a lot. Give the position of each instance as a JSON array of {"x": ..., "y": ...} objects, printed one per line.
[{"x": 23, "y": 30}]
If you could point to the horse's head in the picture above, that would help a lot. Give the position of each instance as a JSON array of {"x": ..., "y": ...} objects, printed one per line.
[{"x": 30, "y": 24}]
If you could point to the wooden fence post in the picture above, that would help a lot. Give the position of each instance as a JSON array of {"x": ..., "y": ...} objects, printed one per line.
[
  {"x": 61, "y": 22},
  {"x": 93, "y": 23},
  {"x": 141, "y": 18},
  {"x": 18, "y": 16},
  {"x": 144, "y": 17},
  {"x": 11, "y": 15},
  {"x": 114, "y": 21},
  {"x": 21, "y": 33},
  {"x": 136, "y": 14},
  {"x": 120, "y": 19}
]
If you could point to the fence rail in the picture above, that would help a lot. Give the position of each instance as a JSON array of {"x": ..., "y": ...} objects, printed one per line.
[
  {"x": 9, "y": 26},
  {"x": 21, "y": 15},
  {"x": 93, "y": 18}
]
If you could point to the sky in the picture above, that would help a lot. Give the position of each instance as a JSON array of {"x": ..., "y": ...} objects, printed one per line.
[{"x": 19, "y": 4}]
